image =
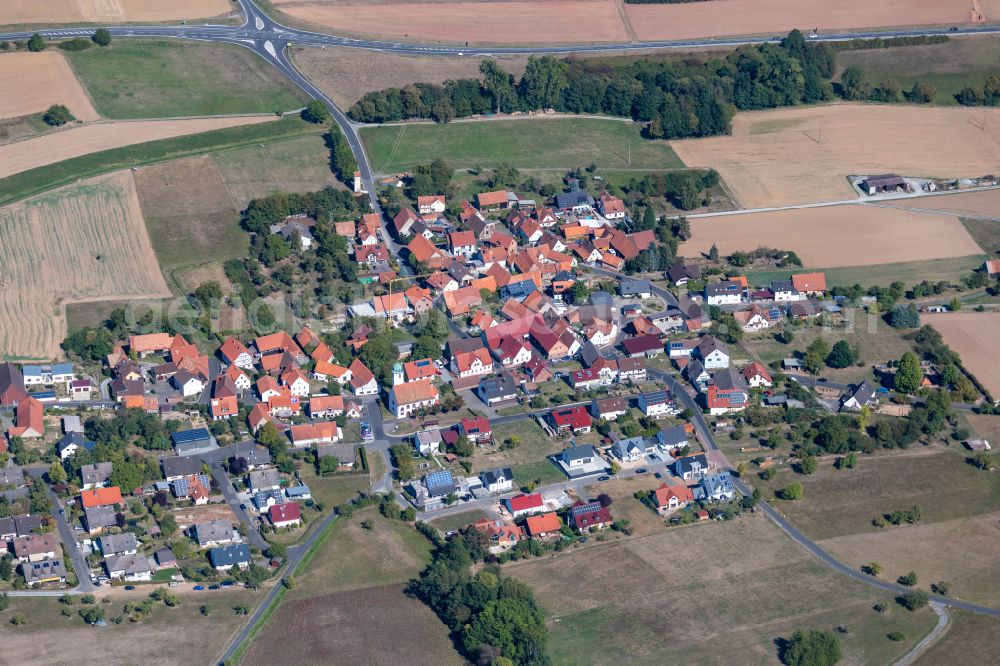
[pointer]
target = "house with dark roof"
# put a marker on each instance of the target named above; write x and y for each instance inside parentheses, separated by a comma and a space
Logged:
(692, 467)
(680, 274)
(585, 517)
(864, 394)
(726, 392)
(716, 488)
(195, 441)
(648, 345)
(574, 201)
(494, 390)
(635, 289)
(498, 480)
(658, 404)
(440, 483)
(177, 467)
(130, 567)
(225, 558)
(96, 475)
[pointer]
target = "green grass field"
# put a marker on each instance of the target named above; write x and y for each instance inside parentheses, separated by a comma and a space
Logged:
(528, 459)
(949, 67)
(909, 273)
(537, 143)
(722, 592)
(161, 79)
(985, 232)
(42, 179)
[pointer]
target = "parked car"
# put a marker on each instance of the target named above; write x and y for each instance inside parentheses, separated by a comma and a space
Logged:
(641, 470)
(213, 587)
(199, 588)
(130, 587)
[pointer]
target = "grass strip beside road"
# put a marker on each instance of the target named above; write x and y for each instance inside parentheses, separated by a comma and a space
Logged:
(35, 181)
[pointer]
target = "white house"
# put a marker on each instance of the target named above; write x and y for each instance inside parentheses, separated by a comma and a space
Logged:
(498, 480)
(712, 353)
(471, 364)
(629, 450)
(784, 292)
(729, 292)
(658, 404)
(188, 384)
(296, 382)
(428, 442)
(131, 568)
(407, 399)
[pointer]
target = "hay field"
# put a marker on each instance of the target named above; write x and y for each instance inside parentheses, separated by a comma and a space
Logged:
(83, 140)
(83, 242)
(14, 12)
(748, 17)
(775, 158)
(722, 592)
(32, 82)
(974, 336)
(832, 236)
(520, 22)
(347, 74)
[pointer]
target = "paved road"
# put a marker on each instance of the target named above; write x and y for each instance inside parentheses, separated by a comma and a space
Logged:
(918, 650)
(80, 565)
(229, 492)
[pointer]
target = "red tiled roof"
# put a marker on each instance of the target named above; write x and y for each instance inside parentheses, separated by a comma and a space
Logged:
(101, 497)
(526, 502)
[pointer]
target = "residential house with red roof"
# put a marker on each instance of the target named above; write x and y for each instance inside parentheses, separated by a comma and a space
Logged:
(29, 421)
(285, 515)
(611, 207)
(477, 429)
(296, 381)
(643, 345)
(571, 418)
(223, 408)
(586, 517)
(362, 380)
(309, 434)
(407, 399)
(404, 220)
(462, 244)
(756, 375)
(101, 497)
(424, 252)
(472, 363)
(523, 505)
(461, 301)
(500, 535)
(235, 353)
(545, 526)
(434, 203)
(668, 499)
(497, 200)
(811, 284)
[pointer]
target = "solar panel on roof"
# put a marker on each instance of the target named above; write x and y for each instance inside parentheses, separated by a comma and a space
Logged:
(190, 435)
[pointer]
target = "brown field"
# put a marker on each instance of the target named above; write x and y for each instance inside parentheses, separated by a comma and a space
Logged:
(747, 17)
(984, 203)
(14, 12)
(722, 592)
(960, 551)
(82, 242)
(32, 82)
(531, 22)
(376, 625)
(774, 158)
(180, 635)
(58, 146)
(973, 335)
(607, 20)
(347, 74)
(831, 236)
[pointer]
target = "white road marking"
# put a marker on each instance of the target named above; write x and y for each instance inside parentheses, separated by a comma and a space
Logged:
(258, 22)
(269, 47)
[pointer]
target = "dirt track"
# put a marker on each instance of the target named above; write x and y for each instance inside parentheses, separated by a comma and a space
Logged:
(84, 242)
(832, 236)
(974, 336)
(32, 82)
(804, 155)
(13, 12)
(73, 142)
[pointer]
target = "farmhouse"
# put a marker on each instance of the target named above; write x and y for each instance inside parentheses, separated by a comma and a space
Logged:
(884, 183)
(643, 345)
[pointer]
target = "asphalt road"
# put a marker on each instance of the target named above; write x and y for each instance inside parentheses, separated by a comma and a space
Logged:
(80, 566)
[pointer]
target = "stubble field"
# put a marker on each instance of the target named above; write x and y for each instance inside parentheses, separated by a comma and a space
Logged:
(14, 12)
(804, 155)
(32, 82)
(609, 20)
(83, 242)
(832, 236)
(974, 336)
(76, 141)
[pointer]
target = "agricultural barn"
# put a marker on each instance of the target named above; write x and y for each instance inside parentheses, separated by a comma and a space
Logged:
(889, 182)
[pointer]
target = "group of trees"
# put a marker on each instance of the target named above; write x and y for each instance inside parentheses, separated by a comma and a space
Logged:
(683, 189)
(495, 619)
(342, 161)
(677, 98)
(854, 85)
(820, 353)
(101, 37)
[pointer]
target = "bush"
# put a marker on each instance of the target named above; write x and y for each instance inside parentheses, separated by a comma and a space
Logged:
(896, 636)
(315, 112)
(78, 44)
(909, 580)
(36, 43)
(813, 648)
(57, 115)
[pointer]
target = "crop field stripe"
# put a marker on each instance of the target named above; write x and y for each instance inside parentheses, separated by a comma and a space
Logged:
(35, 181)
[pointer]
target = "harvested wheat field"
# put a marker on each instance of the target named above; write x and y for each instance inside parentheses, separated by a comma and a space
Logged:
(347, 74)
(32, 82)
(533, 22)
(974, 336)
(804, 155)
(82, 242)
(58, 146)
(833, 236)
(984, 203)
(720, 18)
(14, 12)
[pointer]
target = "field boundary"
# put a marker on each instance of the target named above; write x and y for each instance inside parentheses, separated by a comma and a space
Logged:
(41, 179)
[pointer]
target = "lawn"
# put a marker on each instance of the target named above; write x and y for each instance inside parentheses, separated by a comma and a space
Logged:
(985, 232)
(336, 489)
(458, 520)
(535, 446)
(50, 638)
(352, 557)
(164, 575)
(909, 273)
(949, 67)
(155, 79)
(843, 502)
(537, 143)
(42, 179)
(722, 592)
(874, 341)
(298, 165)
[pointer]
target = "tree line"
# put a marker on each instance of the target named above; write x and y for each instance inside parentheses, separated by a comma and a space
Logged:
(688, 97)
